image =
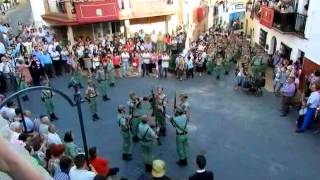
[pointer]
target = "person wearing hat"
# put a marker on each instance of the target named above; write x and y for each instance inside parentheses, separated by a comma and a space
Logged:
(146, 135)
(101, 77)
(135, 115)
(180, 123)
(47, 99)
(124, 125)
(159, 170)
(92, 94)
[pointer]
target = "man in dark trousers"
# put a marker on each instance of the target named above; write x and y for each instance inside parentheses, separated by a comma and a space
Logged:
(202, 174)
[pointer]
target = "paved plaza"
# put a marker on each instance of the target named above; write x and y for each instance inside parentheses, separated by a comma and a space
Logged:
(243, 136)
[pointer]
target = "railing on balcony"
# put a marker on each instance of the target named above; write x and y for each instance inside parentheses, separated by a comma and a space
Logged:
(300, 23)
(59, 6)
(289, 22)
(144, 8)
(285, 22)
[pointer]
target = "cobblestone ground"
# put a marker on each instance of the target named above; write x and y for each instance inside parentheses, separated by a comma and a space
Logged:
(243, 136)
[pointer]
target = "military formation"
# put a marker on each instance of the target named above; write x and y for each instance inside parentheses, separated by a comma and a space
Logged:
(144, 123)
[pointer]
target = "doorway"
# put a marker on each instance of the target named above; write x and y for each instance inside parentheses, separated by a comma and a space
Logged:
(273, 45)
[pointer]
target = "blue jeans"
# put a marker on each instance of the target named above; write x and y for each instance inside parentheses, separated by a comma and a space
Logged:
(308, 118)
(125, 67)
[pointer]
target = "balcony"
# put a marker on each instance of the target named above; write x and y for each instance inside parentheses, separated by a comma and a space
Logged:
(59, 12)
(289, 22)
(147, 8)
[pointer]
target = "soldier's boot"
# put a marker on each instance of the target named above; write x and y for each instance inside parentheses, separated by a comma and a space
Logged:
(95, 117)
(135, 139)
(148, 168)
(226, 73)
(80, 86)
(163, 131)
(127, 157)
(53, 116)
(25, 98)
(105, 98)
(112, 84)
(218, 77)
(182, 162)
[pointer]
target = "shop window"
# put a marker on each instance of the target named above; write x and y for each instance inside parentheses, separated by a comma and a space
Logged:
(263, 38)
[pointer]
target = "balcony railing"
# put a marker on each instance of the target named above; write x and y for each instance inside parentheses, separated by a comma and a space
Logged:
(285, 22)
(58, 7)
(301, 21)
(289, 22)
(145, 8)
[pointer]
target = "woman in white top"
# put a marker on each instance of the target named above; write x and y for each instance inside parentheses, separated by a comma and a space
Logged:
(164, 65)
(95, 61)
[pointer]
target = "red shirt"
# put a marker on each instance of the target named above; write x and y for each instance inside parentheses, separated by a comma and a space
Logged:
(100, 165)
(116, 60)
(135, 61)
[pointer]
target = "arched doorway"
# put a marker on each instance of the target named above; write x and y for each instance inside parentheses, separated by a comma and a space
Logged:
(273, 45)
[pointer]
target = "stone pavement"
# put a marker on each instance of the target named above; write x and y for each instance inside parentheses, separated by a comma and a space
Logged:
(243, 136)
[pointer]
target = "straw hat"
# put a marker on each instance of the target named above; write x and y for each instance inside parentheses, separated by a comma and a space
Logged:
(158, 168)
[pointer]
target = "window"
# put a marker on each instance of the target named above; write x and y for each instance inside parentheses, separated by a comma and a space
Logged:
(263, 38)
(286, 50)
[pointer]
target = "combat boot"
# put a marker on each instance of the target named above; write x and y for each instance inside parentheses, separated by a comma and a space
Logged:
(135, 139)
(105, 98)
(53, 116)
(182, 162)
(148, 168)
(95, 117)
(163, 131)
(126, 157)
(25, 98)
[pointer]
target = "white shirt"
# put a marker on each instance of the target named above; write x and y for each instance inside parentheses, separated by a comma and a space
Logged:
(8, 113)
(55, 55)
(125, 57)
(154, 38)
(146, 58)
(165, 61)
(53, 138)
(2, 48)
(314, 99)
(80, 174)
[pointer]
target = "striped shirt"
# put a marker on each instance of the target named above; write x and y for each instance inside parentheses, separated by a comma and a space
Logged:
(61, 176)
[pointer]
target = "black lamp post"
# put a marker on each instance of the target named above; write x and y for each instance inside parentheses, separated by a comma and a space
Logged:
(76, 103)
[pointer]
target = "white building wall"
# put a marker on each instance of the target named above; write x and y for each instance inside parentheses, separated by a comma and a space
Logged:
(38, 9)
(310, 45)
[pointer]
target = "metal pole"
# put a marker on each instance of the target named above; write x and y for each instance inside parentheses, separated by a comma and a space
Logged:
(22, 115)
(78, 101)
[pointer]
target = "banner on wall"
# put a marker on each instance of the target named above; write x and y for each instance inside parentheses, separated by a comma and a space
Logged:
(97, 11)
(267, 15)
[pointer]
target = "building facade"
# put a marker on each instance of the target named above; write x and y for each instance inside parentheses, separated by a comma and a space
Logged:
(294, 33)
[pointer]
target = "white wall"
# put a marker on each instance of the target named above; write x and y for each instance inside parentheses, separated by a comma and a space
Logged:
(310, 45)
(38, 9)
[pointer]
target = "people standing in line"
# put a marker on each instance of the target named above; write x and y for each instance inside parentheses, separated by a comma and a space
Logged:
(288, 91)
(202, 173)
(123, 122)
